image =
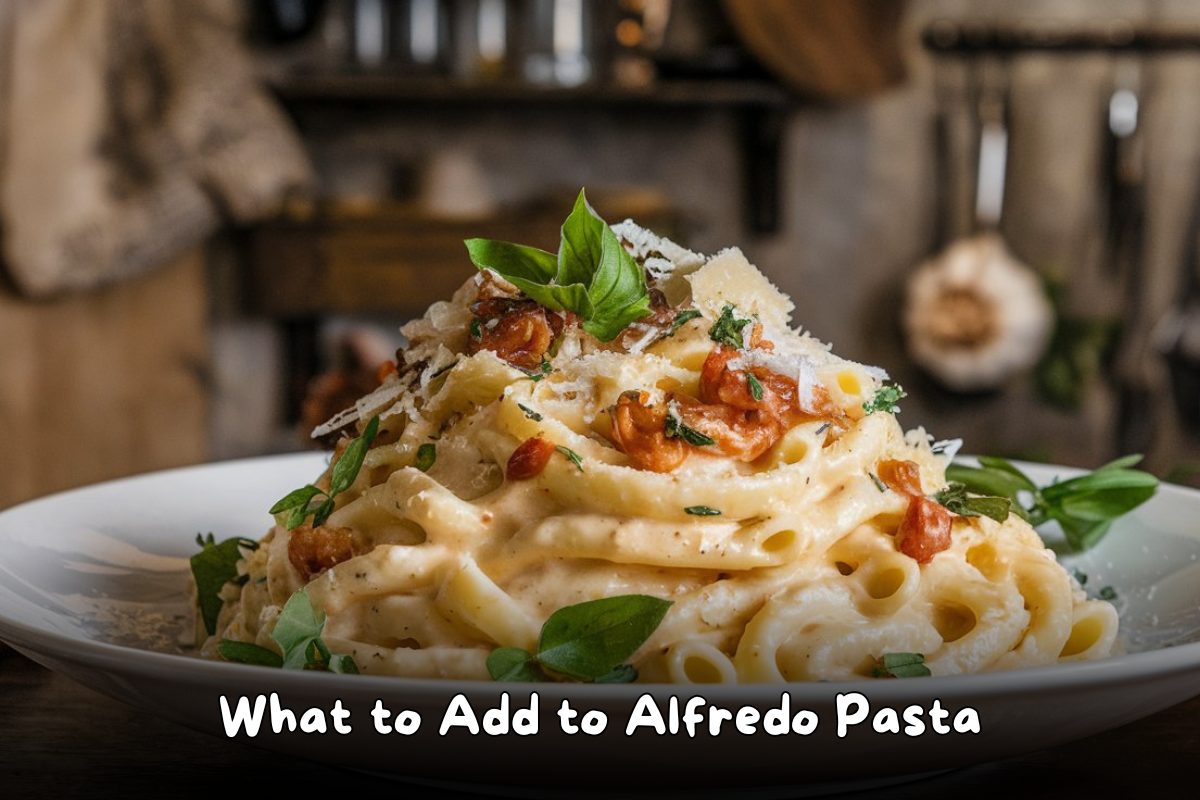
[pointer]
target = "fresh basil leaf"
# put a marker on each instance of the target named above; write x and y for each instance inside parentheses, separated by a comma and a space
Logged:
(296, 628)
(1105, 504)
(513, 664)
(1108, 593)
(426, 456)
(213, 567)
(343, 665)
(570, 455)
(987, 481)
(622, 673)
(581, 246)
(1122, 489)
(590, 639)
(617, 291)
(347, 467)
(530, 413)
(1124, 462)
(1080, 534)
(1003, 465)
(514, 262)
(592, 275)
(727, 329)
(248, 653)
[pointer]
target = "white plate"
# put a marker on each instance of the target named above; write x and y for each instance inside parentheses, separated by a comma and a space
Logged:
(93, 584)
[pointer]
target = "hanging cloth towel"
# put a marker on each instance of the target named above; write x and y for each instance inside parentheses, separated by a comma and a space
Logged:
(130, 130)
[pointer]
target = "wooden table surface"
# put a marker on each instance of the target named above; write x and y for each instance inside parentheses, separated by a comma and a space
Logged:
(60, 740)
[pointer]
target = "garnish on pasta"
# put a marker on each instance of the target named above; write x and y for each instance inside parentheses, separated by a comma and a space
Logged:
(628, 419)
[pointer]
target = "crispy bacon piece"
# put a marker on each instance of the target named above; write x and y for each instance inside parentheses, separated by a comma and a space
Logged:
(519, 331)
(925, 530)
(903, 477)
(529, 459)
(314, 550)
(639, 430)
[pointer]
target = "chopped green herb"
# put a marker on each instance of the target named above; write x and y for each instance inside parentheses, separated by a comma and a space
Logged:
(530, 413)
(902, 665)
(588, 641)
(673, 428)
(571, 455)
(213, 567)
(1084, 507)
(886, 399)
(1108, 593)
(681, 319)
(1079, 576)
(728, 329)
(702, 511)
(955, 498)
(476, 329)
(880, 485)
(298, 634)
(426, 456)
(756, 390)
(539, 373)
(592, 275)
(304, 501)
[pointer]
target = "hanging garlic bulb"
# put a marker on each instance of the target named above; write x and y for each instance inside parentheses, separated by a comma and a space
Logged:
(975, 316)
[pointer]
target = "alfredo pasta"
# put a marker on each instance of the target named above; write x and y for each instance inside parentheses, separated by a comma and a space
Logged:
(706, 453)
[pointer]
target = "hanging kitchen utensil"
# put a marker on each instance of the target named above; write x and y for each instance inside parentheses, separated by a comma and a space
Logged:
(975, 315)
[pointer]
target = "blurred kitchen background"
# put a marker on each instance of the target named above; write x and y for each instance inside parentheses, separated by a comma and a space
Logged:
(215, 215)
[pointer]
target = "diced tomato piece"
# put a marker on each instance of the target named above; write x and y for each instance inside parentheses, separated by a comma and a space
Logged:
(925, 530)
(903, 477)
(529, 459)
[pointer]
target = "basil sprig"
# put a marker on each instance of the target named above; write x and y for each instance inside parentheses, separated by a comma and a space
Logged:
(213, 567)
(587, 642)
(1084, 507)
(592, 275)
(298, 634)
(307, 499)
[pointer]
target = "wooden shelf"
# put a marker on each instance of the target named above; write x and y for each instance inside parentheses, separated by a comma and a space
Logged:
(377, 86)
(760, 106)
(392, 258)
